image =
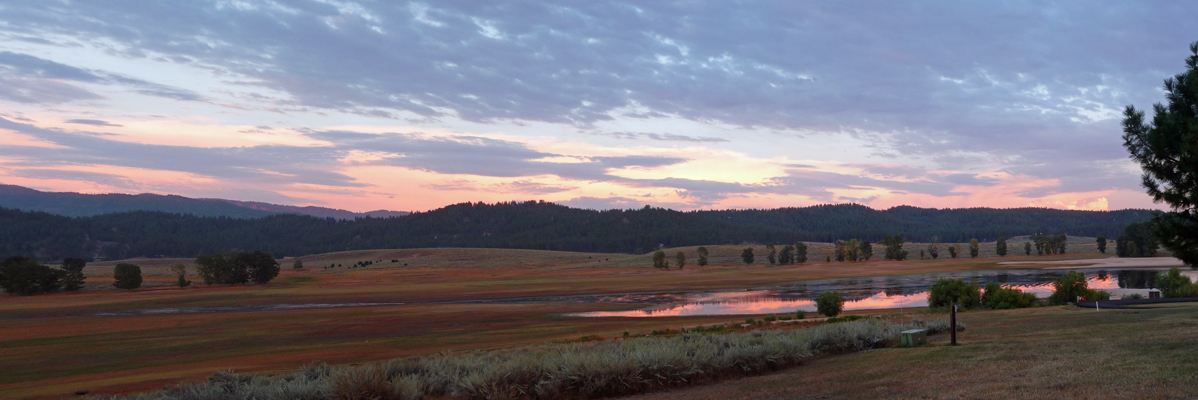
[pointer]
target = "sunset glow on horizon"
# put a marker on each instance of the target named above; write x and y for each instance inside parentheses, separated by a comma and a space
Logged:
(414, 106)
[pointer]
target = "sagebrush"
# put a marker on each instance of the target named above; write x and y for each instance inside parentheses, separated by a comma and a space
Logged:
(571, 370)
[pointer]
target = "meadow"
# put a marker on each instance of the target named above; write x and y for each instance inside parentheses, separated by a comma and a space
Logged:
(54, 345)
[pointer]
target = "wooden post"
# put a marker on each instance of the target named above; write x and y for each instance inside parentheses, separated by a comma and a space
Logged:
(952, 322)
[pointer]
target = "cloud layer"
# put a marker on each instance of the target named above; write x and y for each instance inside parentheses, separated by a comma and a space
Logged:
(884, 103)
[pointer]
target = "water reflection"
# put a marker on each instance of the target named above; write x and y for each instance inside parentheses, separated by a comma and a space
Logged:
(861, 293)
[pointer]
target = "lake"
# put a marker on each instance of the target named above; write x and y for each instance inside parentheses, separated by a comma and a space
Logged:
(891, 292)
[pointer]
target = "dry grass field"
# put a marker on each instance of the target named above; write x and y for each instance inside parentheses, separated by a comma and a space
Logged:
(52, 345)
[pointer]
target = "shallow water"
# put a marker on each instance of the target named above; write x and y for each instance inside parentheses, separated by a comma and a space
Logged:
(893, 292)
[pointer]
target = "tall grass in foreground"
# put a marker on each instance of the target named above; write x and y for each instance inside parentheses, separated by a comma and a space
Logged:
(574, 370)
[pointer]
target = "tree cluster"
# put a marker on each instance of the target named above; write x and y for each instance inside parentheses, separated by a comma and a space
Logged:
(1050, 244)
(235, 267)
(1138, 240)
(894, 247)
(24, 276)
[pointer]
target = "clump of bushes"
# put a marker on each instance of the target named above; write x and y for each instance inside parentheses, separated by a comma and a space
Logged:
(1174, 284)
(999, 298)
(946, 292)
(569, 370)
(1072, 285)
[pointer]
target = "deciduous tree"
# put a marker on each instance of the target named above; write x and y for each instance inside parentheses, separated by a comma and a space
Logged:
(829, 303)
(659, 259)
(702, 256)
(1001, 247)
(747, 255)
(126, 276)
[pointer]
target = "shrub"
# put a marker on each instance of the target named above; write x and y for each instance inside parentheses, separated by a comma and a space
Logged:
(127, 276)
(800, 315)
(1068, 288)
(770, 318)
(24, 276)
(829, 303)
(1096, 295)
(946, 292)
(747, 255)
(181, 271)
(702, 255)
(300, 264)
(846, 318)
(999, 298)
(1133, 296)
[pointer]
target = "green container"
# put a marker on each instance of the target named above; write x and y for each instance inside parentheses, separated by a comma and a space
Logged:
(914, 337)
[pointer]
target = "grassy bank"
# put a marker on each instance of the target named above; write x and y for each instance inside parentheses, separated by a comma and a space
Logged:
(1054, 352)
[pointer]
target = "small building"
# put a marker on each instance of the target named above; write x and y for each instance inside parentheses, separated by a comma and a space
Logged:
(1154, 293)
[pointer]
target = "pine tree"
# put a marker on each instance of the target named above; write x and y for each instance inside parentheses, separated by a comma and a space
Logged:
(800, 252)
(1001, 247)
(1167, 150)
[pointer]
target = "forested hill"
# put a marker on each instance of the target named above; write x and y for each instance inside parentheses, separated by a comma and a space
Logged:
(86, 205)
(528, 225)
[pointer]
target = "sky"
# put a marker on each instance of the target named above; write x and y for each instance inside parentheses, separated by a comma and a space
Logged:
(596, 104)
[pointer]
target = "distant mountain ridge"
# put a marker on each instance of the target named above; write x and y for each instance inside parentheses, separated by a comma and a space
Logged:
(314, 211)
(71, 204)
